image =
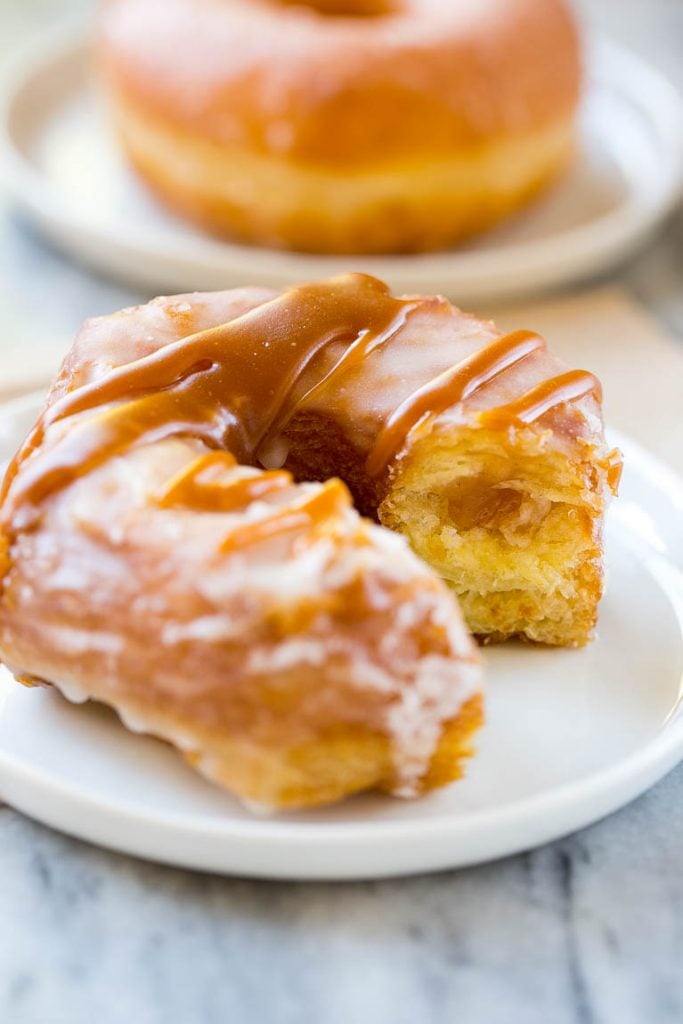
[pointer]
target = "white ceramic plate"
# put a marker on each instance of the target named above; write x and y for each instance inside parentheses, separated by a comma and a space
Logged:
(65, 170)
(570, 736)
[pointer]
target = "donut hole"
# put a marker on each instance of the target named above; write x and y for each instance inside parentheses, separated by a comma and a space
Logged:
(319, 449)
(349, 8)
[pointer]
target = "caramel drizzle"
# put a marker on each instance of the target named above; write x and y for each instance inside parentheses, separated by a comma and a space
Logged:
(210, 484)
(453, 386)
(231, 386)
(566, 387)
(236, 385)
(313, 510)
(31, 682)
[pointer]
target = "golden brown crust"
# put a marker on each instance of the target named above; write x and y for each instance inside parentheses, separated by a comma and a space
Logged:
(340, 763)
(219, 107)
(414, 206)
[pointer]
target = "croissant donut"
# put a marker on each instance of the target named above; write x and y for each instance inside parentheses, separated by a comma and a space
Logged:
(159, 557)
(343, 126)
(292, 651)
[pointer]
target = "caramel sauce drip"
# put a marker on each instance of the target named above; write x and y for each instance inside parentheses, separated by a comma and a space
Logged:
(314, 510)
(31, 682)
(566, 387)
(4, 555)
(237, 385)
(449, 388)
(210, 484)
(349, 8)
(232, 386)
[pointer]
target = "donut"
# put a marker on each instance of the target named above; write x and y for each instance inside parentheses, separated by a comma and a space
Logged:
(178, 539)
(343, 126)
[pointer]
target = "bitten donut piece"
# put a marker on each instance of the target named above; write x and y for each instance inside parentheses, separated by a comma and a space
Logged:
(176, 541)
(483, 448)
(347, 126)
(292, 651)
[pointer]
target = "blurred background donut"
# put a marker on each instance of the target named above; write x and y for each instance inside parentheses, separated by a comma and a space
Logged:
(342, 126)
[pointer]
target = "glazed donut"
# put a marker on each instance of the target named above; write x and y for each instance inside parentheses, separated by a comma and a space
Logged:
(343, 126)
(159, 556)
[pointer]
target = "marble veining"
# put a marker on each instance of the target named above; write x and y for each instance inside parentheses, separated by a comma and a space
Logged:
(588, 930)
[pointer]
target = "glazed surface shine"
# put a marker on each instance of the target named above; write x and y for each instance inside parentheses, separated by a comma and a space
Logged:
(231, 386)
(450, 388)
(236, 386)
(320, 347)
(428, 76)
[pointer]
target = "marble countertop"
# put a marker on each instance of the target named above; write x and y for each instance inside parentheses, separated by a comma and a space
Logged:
(588, 930)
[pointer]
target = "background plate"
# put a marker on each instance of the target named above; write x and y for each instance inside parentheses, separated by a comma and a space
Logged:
(65, 170)
(570, 736)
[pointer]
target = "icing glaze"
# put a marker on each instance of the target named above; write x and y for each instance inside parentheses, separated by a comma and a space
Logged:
(237, 385)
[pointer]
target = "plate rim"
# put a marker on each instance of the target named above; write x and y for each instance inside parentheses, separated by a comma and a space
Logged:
(569, 255)
(234, 846)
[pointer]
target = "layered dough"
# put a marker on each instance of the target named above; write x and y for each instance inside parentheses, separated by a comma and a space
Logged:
(178, 542)
(347, 126)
